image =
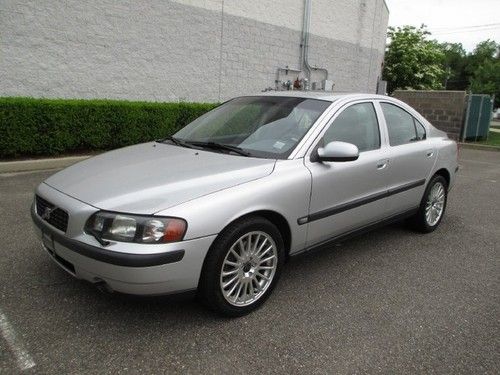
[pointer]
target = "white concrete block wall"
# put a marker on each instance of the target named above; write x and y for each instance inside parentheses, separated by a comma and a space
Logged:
(195, 50)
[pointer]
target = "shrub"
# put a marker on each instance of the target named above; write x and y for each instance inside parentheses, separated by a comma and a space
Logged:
(44, 127)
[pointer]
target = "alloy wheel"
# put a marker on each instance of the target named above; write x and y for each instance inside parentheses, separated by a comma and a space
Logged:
(434, 206)
(248, 268)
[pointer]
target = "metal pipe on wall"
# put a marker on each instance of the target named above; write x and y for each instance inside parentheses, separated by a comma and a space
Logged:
(303, 41)
(304, 46)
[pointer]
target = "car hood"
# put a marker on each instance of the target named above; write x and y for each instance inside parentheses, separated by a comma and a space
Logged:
(150, 177)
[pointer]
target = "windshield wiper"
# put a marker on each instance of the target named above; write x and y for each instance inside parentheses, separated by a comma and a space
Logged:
(175, 141)
(219, 146)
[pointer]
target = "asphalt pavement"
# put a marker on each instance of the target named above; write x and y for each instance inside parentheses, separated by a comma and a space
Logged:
(391, 301)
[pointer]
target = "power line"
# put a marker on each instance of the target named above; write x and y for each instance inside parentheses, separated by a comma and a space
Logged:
(467, 31)
(450, 28)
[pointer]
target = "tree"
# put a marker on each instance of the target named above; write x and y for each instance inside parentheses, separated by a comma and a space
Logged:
(487, 50)
(455, 62)
(412, 61)
(485, 68)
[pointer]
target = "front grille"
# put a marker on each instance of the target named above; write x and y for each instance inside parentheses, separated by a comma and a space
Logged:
(57, 218)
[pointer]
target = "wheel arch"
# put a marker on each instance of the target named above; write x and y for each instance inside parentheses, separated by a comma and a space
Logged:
(277, 219)
(443, 172)
(274, 217)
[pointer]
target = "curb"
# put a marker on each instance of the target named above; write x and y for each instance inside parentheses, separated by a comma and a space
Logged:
(39, 164)
(474, 146)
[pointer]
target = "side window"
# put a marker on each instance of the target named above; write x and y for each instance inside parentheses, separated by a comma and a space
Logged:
(357, 125)
(399, 124)
(420, 130)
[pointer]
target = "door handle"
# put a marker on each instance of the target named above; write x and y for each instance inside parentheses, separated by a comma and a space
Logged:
(430, 153)
(382, 164)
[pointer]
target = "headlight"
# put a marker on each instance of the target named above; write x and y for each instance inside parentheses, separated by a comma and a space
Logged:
(135, 228)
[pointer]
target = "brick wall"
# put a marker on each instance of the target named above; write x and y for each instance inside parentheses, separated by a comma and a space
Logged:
(193, 50)
(444, 109)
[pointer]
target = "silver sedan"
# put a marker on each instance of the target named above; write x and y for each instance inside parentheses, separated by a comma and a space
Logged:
(219, 206)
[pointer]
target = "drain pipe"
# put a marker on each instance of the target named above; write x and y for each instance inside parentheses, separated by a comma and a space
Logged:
(303, 42)
(304, 46)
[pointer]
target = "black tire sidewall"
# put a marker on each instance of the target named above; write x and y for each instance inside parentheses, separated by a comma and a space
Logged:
(209, 287)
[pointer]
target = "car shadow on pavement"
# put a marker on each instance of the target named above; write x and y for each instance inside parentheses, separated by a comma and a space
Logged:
(306, 279)
(319, 263)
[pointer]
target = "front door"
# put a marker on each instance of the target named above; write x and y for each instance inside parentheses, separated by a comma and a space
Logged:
(348, 195)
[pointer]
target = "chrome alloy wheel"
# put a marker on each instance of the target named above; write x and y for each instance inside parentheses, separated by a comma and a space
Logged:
(434, 206)
(248, 268)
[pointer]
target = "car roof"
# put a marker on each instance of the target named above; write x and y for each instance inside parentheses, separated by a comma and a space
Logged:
(322, 95)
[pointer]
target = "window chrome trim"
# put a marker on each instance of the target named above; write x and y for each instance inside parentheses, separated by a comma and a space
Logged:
(412, 112)
(336, 112)
(387, 127)
(331, 124)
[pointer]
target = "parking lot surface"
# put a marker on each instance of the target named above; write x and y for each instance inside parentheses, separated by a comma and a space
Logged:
(391, 301)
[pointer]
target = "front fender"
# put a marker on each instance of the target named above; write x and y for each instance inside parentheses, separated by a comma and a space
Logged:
(286, 191)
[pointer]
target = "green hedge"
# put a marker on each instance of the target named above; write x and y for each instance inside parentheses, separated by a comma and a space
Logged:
(43, 127)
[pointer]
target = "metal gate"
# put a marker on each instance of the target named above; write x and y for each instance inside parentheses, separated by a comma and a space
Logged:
(477, 117)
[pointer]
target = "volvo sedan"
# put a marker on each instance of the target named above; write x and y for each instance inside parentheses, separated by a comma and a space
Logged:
(220, 205)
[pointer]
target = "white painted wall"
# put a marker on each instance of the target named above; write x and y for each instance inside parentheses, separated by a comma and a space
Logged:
(181, 50)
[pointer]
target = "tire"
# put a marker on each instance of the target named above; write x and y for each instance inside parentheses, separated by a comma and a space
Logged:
(423, 221)
(243, 270)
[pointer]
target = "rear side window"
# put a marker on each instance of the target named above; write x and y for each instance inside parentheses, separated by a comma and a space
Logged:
(357, 125)
(400, 125)
(420, 130)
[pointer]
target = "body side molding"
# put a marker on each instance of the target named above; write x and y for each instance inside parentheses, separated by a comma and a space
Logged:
(358, 231)
(358, 202)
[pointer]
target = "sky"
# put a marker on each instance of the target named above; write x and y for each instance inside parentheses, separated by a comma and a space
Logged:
(459, 21)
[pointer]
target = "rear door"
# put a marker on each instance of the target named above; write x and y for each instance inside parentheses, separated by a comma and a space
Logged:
(411, 155)
(348, 195)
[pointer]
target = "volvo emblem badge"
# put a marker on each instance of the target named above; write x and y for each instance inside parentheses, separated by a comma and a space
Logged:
(46, 213)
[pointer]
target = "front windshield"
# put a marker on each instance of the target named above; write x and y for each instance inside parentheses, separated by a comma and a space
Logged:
(263, 126)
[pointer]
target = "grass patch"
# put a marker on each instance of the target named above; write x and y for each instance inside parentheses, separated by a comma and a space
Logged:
(493, 139)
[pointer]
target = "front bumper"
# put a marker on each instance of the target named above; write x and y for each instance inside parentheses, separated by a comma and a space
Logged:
(148, 270)
(103, 255)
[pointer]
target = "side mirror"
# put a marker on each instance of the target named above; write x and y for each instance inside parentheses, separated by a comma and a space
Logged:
(337, 151)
